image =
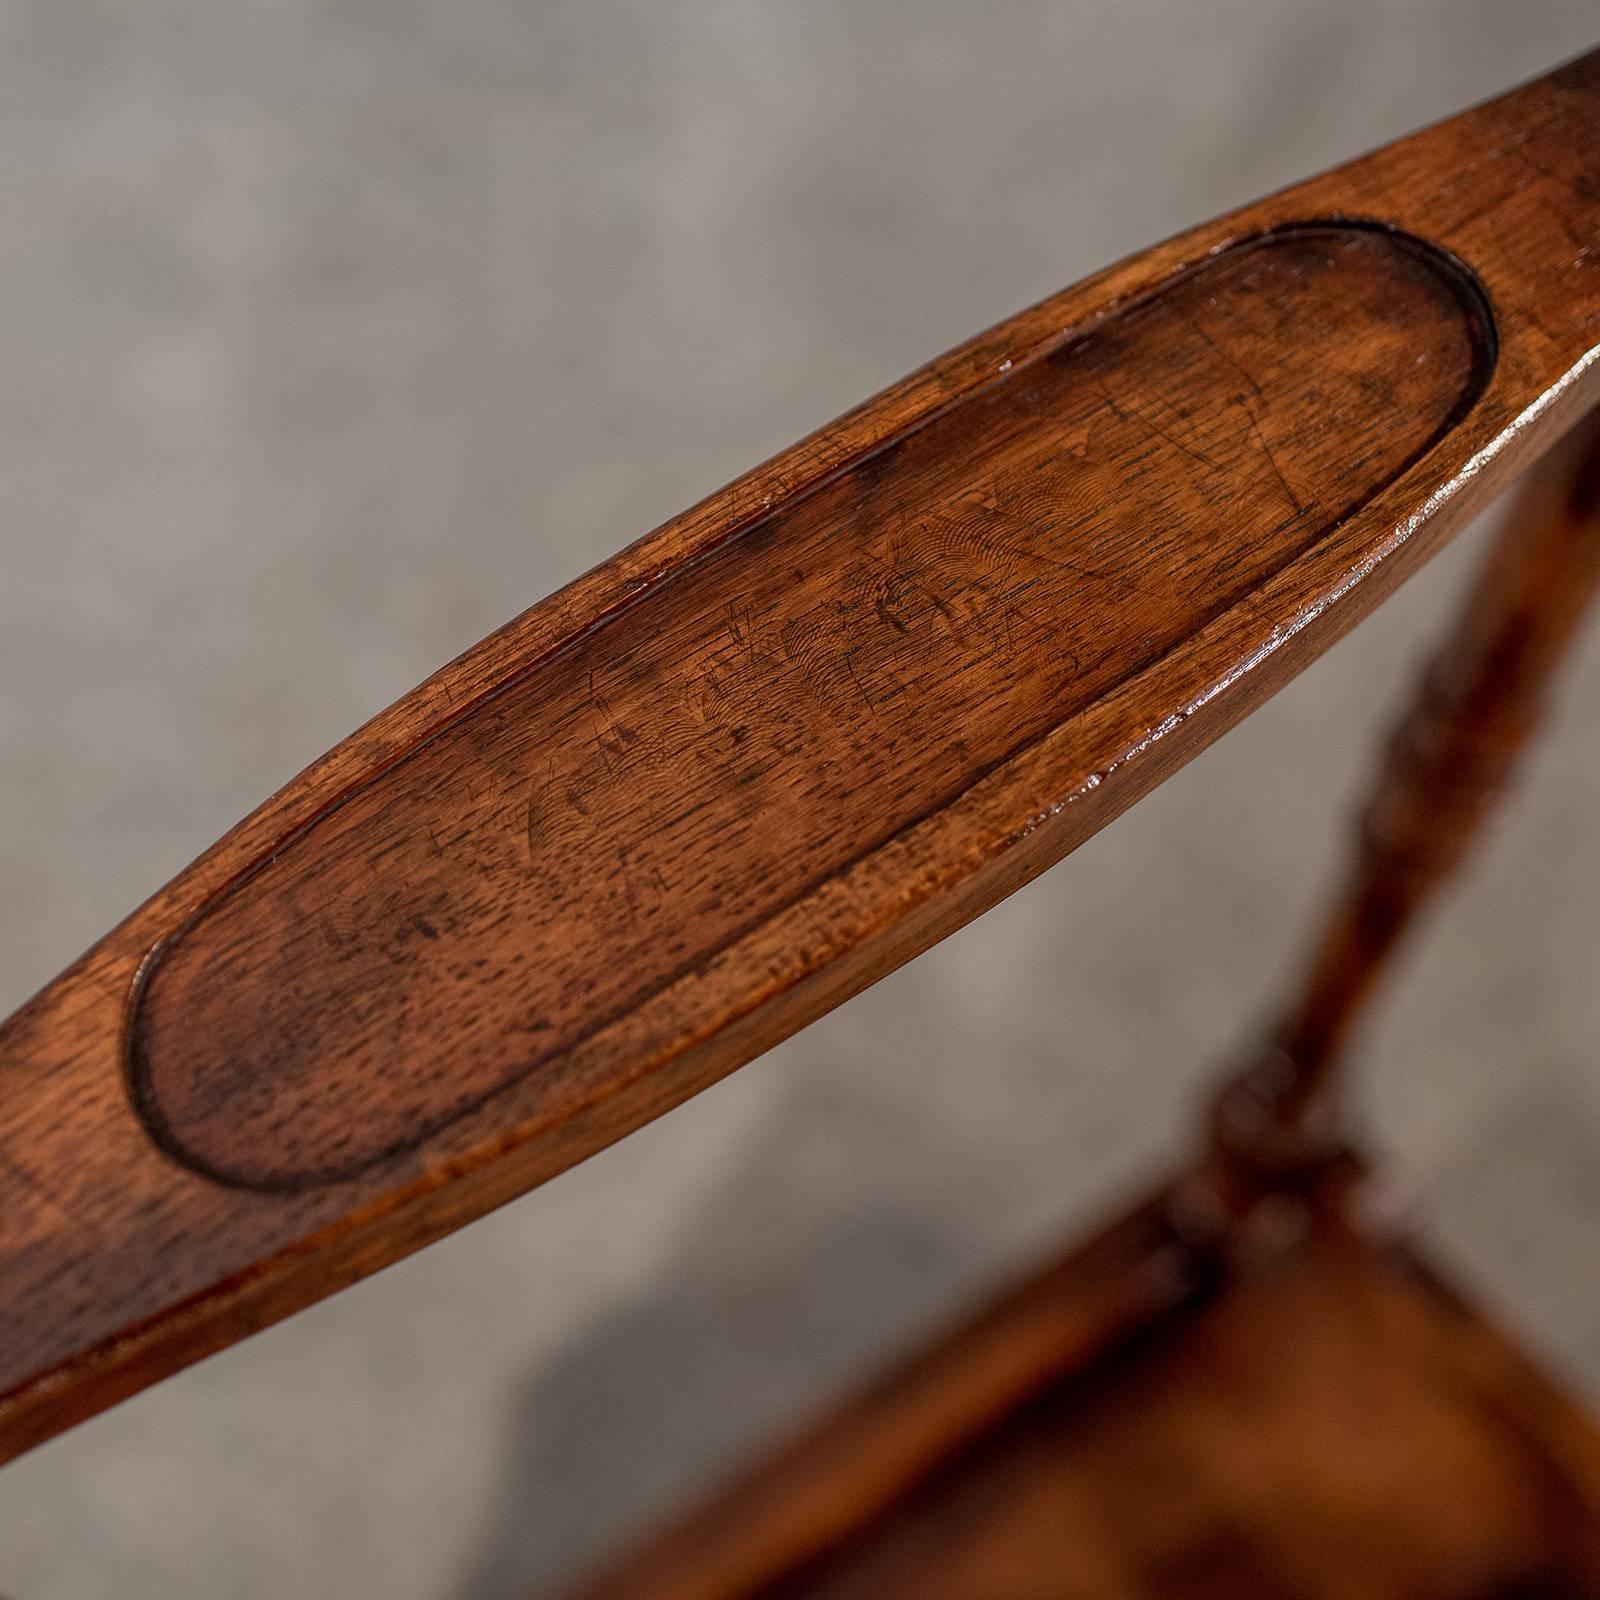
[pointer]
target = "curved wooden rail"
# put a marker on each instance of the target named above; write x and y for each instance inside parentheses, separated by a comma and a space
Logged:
(775, 749)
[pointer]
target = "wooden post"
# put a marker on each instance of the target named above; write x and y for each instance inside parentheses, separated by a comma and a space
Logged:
(1278, 1123)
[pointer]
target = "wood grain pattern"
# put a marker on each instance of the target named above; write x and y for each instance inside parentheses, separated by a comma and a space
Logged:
(420, 979)
(1335, 1425)
(756, 722)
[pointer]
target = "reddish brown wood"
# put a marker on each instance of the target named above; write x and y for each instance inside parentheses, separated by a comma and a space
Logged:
(751, 764)
(1449, 763)
(1334, 1425)
(619, 814)
(1257, 1419)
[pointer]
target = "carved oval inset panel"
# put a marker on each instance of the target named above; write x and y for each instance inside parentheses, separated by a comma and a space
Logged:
(614, 816)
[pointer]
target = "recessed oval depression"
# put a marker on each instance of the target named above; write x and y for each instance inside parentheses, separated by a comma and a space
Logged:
(615, 815)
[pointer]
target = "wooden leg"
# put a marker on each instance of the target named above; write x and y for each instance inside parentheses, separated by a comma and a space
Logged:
(1279, 1121)
(1146, 1419)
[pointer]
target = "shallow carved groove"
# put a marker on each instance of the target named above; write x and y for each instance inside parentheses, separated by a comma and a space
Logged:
(773, 750)
(831, 675)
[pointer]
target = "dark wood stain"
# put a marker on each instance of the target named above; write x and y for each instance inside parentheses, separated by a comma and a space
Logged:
(831, 675)
(778, 747)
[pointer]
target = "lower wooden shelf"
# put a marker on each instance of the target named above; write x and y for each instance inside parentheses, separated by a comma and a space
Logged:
(1331, 1421)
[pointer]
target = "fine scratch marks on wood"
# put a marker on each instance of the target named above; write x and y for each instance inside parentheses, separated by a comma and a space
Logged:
(752, 725)
(1272, 462)
(36, 1186)
(1134, 414)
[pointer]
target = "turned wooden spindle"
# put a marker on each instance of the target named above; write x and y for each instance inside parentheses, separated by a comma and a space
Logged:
(1449, 762)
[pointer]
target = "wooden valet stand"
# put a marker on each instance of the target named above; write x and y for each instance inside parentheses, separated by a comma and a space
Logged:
(778, 747)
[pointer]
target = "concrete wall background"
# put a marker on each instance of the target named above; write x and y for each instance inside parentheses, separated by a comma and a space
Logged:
(333, 334)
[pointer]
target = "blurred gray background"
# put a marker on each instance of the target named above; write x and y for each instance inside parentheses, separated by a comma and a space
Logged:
(335, 333)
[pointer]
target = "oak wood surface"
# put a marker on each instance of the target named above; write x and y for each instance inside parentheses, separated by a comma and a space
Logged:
(745, 731)
(1332, 1423)
(772, 751)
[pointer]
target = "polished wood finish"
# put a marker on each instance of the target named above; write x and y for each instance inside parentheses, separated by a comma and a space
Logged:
(780, 746)
(1330, 1424)
(760, 721)
(1454, 753)
(1244, 1388)
(1449, 763)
